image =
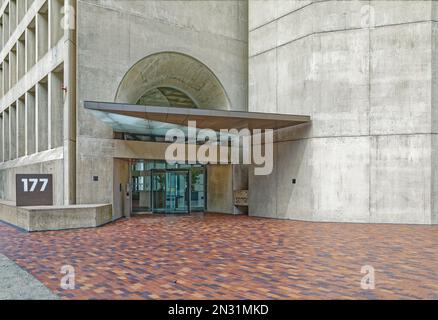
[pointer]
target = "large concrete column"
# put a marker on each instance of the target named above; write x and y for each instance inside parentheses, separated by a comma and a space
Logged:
(30, 123)
(12, 132)
(42, 115)
(21, 128)
(56, 107)
(70, 104)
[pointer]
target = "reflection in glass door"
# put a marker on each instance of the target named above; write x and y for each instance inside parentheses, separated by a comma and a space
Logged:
(197, 187)
(170, 191)
(141, 189)
(162, 188)
(158, 191)
(177, 187)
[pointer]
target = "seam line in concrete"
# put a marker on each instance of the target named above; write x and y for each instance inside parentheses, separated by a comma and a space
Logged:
(357, 136)
(336, 30)
(285, 15)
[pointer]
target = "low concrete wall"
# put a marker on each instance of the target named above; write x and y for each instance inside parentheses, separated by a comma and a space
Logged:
(55, 217)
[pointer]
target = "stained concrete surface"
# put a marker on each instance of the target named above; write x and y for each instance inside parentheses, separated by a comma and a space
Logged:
(17, 284)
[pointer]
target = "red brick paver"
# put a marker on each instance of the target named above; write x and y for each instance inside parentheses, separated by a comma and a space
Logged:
(231, 257)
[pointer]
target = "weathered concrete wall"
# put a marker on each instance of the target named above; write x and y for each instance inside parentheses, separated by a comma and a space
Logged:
(220, 189)
(55, 217)
(434, 179)
(434, 112)
(364, 74)
(240, 182)
(114, 35)
(32, 94)
(121, 178)
(47, 162)
(70, 217)
(18, 284)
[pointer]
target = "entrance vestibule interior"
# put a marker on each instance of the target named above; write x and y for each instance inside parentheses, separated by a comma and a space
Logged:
(159, 187)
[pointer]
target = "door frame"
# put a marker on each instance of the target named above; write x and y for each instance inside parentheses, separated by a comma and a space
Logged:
(164, 170)
(188, 192)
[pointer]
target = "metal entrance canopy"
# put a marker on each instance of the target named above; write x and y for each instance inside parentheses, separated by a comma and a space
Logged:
(156, 120)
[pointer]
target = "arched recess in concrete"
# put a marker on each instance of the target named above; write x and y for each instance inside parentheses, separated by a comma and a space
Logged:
(163, 77)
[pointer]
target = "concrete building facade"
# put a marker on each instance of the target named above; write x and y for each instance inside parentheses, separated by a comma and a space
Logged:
(364, 71)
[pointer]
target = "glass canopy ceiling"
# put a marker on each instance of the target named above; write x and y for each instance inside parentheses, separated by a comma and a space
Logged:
(156, 121)
(134, 125)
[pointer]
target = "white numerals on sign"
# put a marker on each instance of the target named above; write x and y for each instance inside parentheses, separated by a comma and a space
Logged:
(44, 186)
(33, 184)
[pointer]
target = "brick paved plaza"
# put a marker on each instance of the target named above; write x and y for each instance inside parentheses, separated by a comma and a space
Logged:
(230, 257)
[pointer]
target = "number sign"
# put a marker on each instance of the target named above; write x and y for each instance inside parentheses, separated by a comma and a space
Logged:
(34, 190)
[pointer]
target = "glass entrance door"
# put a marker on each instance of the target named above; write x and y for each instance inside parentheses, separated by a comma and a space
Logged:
(159, 187)
(158, 191)
(177, 191)
(170, 191)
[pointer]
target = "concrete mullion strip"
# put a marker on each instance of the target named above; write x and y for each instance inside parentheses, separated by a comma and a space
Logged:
(42, 32)
(31, 133)
(1, 81)
(56, 107)
(26, 125)
(21, 57)
(21, 10)
(30, 48)
(55, 30)
(2, 146)
(17, 130)
(12, 132)
(1, 137)
(10, 72)
(43, 124)
(21, 128)
(5, 29)
(37, 127)
(5, 76)
(12, 16)
(9, 134)
(69, 118)
(13, 67)
(1, 33)
(6, 135)
(49, 110)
